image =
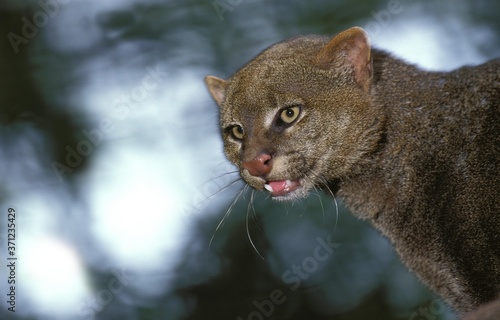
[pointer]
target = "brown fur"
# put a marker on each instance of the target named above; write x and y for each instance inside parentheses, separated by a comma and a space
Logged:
(416, 153)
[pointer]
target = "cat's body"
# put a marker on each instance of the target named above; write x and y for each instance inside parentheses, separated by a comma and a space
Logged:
(433, 187)
(416, 153)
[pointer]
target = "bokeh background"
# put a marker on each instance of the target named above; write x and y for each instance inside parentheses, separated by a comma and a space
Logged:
(125, 205)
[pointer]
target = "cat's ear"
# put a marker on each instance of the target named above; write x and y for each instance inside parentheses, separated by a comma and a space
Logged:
(351, 47)
(217, 88)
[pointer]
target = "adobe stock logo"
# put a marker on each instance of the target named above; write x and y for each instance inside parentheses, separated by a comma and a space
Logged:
(383, 17)
(96, 303)
(221, 6)
(48, 9)
(429, 312)
(293, 276)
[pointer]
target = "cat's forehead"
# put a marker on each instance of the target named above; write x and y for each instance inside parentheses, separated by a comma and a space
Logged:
(250, 100)
(257, 75)
(250, 92)
(263, 83)
(278, 77)
(249, 104)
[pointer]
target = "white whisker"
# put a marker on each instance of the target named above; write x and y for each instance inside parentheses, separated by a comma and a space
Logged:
(250, 204)
(228, 212)
(335, 202)
(230, 184)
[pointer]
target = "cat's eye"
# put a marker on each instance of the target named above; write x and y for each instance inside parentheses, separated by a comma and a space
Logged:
(237, 132)
(290, 114)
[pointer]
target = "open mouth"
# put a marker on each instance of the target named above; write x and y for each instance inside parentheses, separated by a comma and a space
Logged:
(279, 188)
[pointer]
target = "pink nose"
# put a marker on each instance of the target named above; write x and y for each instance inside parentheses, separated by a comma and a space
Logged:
(259, 166)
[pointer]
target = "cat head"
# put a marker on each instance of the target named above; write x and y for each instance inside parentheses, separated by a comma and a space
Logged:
(299, 115)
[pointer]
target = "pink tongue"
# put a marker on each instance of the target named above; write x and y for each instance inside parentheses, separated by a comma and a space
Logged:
(278, 186)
